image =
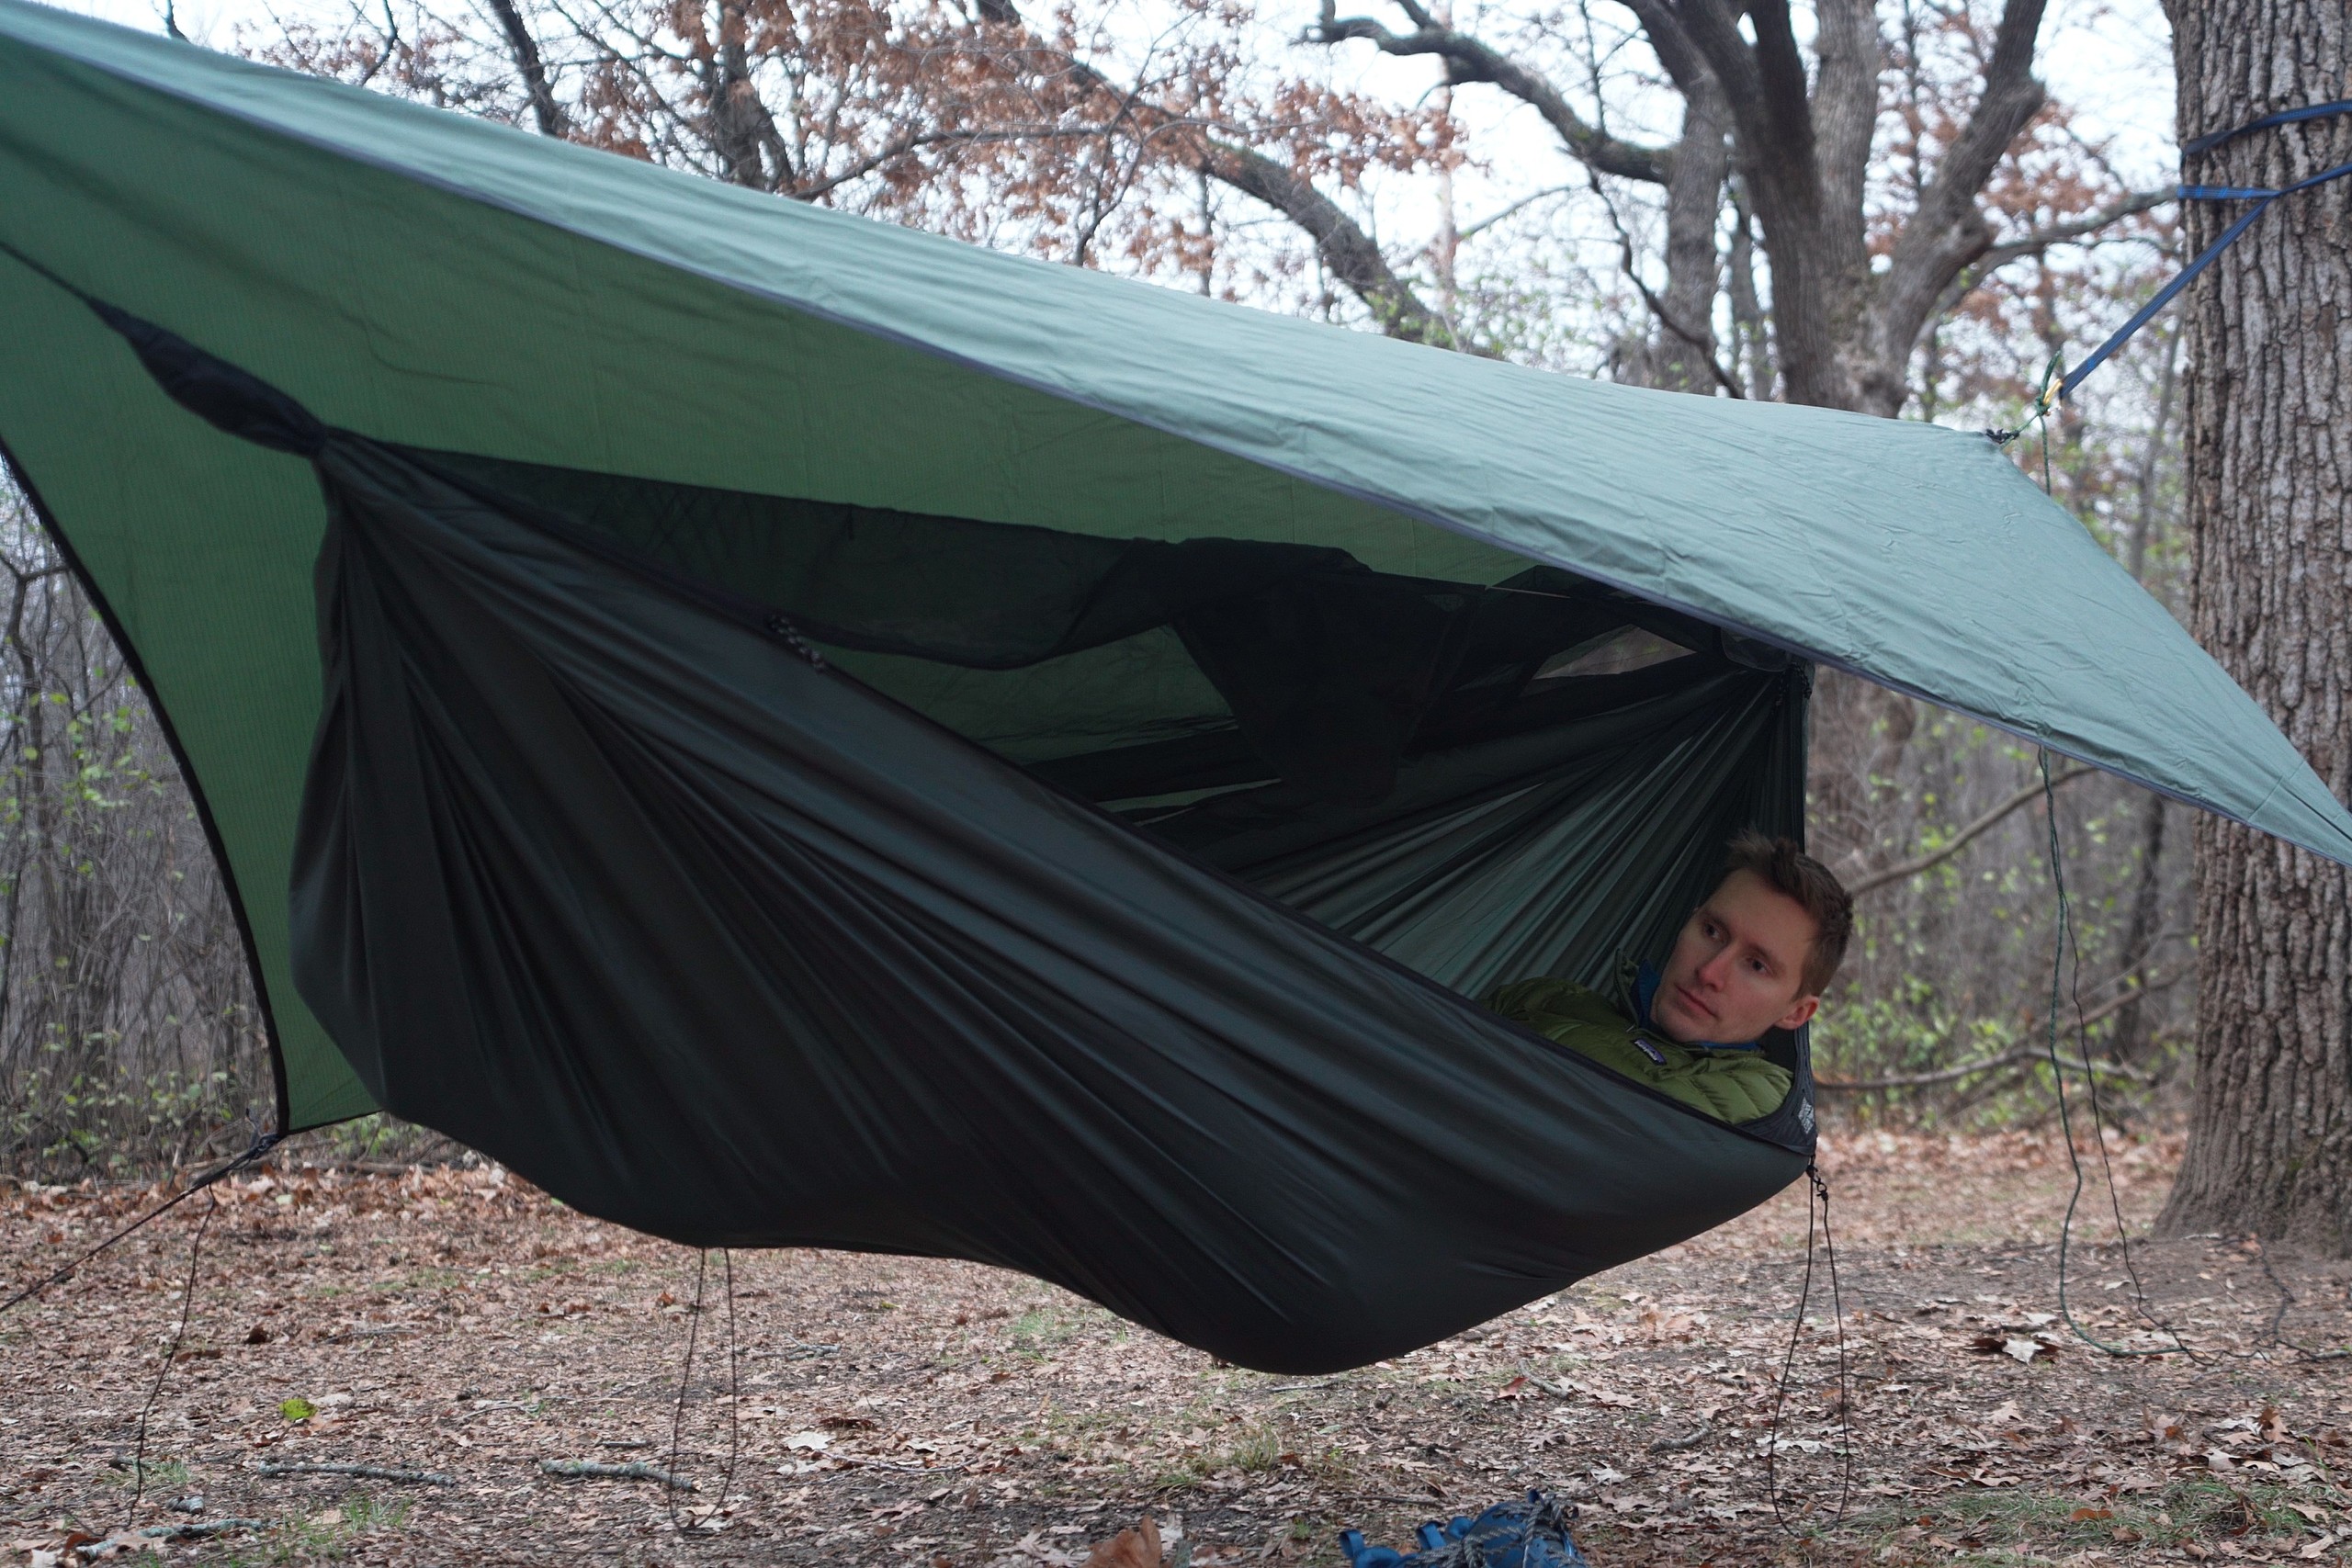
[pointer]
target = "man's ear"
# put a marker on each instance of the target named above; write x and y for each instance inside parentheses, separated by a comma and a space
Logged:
(1800, 1014)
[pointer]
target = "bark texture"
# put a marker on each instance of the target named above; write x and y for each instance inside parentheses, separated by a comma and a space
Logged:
(2270, 465)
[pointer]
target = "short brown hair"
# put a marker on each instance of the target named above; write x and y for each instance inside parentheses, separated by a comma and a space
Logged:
(1796, 874)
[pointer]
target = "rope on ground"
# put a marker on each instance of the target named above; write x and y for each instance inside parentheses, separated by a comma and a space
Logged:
(261, 1144)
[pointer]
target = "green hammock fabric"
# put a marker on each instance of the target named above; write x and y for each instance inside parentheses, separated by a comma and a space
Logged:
(605, 868)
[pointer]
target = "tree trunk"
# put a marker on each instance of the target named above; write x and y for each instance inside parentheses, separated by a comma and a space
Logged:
(2130, 1040)
(2270, 465)
(1677, 354)
(2131, 1032)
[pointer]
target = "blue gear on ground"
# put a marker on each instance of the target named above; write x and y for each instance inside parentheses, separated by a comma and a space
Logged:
(1529, 1534)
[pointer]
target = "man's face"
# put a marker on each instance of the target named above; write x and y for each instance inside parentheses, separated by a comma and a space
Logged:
(1738, 966)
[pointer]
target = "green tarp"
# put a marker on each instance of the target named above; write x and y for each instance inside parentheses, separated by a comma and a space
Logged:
(553, 326)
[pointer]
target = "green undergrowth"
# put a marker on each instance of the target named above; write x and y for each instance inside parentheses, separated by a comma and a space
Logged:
(327, 1536)
(2196, 1517)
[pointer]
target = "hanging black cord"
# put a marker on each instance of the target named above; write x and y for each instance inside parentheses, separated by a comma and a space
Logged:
(1845, 1379)
(2064, 946)
(2286, 1302)
(171, 1354)
(2069, 953)
(263, 1143)
(685, 1381)
(1818, 1194)
(734, 1383)
(2067, 957)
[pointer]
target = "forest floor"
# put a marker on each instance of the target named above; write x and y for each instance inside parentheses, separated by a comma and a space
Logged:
(947, 1416)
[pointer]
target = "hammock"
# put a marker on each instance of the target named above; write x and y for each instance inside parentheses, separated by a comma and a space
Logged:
(604, 868)
(788, 731)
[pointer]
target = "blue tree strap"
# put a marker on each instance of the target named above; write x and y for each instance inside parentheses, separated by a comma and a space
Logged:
(2260, 196)
(2284, 116)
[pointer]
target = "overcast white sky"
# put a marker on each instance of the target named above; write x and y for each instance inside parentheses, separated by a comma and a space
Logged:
(2110, 58)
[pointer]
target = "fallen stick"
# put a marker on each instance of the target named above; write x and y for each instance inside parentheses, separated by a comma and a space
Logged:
(894, 1464)
(198, 1529)
(138, 1539)
(597, 1470)
(364, 1471)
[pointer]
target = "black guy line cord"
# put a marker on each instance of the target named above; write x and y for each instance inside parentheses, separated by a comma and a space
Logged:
(171, 1354)
(2066, 964)
(263, 1143)
(2066, 946)
(686, 1381)
(1816, 1204)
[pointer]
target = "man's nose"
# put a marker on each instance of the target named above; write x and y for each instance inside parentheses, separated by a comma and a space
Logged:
(1715, 971)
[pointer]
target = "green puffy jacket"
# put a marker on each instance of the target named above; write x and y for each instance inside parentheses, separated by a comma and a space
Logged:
(1729, 1083)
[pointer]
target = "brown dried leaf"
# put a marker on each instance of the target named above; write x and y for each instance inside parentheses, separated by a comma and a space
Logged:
(1137, 1548)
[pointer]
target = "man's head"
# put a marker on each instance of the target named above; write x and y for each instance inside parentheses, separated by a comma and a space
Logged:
(1759, 952)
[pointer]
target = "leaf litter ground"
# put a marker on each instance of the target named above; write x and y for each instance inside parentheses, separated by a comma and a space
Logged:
(509, 1372)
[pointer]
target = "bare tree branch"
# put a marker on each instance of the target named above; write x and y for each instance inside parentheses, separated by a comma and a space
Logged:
(532, 68)
(2039, 240)
(1764, 86)
(1662, 30)
(1695, 206)
(1946, 232)
(1751, 337)
(1904, 870)
(742, 132)
(1782, 97)
(1351, 254)
(1844, 115)
(1468, 58)
(2018, 1057)
(1970, 278)
(1701, 344)
(1482, 225)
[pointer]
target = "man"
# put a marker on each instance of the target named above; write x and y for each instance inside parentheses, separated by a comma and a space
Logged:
(1755, 956)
